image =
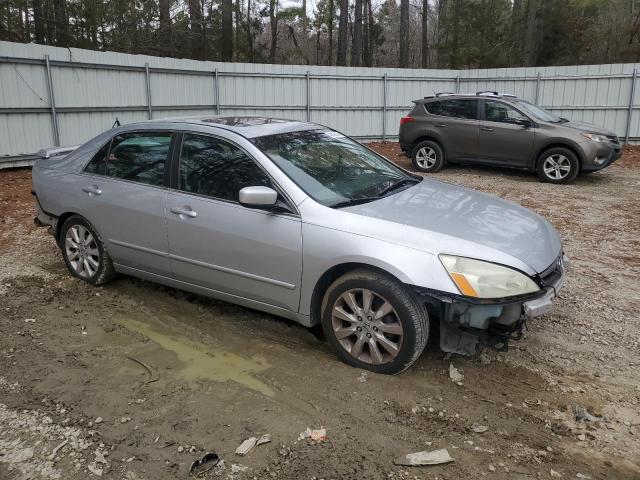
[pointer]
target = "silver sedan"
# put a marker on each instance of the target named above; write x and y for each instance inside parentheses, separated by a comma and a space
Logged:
(300, 221)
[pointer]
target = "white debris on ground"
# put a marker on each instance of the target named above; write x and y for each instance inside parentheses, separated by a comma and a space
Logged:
(31, 446)
(455, 375)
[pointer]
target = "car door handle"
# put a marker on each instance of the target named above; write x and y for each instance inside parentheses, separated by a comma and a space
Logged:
(486, 129)
(184, 211)
(92, 190)
(441, 125)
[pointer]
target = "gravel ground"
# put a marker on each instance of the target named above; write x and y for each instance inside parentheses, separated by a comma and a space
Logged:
(136, 381)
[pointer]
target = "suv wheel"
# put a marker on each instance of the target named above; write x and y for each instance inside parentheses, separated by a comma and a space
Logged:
(373, 322)
(558, 165)
(84, 252)
(427, 156)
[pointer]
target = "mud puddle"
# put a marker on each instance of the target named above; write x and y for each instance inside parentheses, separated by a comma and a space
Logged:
(200, 361)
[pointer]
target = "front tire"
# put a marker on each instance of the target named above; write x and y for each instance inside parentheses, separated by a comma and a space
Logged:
(427, 157)
(558, 165)
(373, 322)
(84, 251)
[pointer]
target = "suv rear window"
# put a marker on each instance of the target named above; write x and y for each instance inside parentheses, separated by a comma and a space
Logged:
(456, 108)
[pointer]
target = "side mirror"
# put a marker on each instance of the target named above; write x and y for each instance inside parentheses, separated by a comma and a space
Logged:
(524, 122)
(258, 197)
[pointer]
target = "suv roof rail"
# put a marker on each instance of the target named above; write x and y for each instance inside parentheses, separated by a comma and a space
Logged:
(441, 94)
(493, 93)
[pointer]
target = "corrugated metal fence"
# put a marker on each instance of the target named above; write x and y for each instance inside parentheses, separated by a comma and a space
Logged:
(52, 96)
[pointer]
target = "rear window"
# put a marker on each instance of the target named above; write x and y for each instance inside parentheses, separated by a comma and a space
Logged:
(456, 108)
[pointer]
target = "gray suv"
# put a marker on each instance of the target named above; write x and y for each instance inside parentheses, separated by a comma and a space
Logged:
(503, 130)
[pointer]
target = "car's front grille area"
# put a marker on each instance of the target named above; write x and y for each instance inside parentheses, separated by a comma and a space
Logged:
(553, 273)
(613, 138)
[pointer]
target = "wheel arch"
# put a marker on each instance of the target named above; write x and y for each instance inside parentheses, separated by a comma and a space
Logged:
(428, 137)
(329, 276)
(559, 144)
(61, 219)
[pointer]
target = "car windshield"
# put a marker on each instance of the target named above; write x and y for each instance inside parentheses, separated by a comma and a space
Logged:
(331, 168)
(538, 112)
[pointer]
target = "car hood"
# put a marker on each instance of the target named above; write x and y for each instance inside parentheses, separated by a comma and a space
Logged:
(476, 219)
(587, 127)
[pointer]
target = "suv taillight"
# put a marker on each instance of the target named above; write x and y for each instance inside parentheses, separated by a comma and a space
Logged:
(406, 119)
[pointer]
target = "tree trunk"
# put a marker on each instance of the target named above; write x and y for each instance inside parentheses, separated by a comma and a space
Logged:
(425, 35)
(50, 27)
(249, 34)
(273, 22)
(227, 30)
(238, 27)
(342, 33)
(38, 21)
(356, 46)
(515, 56)
(404, 33)
(531, 33)
(454, 61)
(305, 39)
(330, 28)
(195, 20)
(165, 26)
(366, 32)
(62, 23)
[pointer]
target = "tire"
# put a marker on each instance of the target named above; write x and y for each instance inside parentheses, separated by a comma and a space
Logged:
(405, 326)
(427, 157)
(566, 162)
(79, 239)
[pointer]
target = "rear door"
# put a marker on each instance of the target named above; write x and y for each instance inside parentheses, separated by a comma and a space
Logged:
(219, 244)
(125, 195)
(503, 138)
(455, 121)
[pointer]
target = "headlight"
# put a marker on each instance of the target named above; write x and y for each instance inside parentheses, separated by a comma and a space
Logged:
(476, 278)
(595, 137)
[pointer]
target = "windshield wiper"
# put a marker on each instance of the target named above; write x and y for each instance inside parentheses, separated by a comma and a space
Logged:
(353, 201)
(398, 184)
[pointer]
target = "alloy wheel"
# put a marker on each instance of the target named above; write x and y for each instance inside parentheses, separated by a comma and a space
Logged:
(82, 251)
(367, 326)
(556, 166)
(426, 157)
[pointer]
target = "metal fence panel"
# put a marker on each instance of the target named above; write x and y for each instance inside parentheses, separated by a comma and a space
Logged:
(51, 95)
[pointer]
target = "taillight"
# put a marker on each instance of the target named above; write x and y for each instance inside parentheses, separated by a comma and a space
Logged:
(406, 119)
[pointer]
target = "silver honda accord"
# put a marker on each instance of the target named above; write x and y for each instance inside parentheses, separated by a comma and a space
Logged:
(300, 221)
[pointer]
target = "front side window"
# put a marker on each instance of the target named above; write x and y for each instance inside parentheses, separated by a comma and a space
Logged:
(216, 168)
(331, 168)
(139, 157)
(501, 112)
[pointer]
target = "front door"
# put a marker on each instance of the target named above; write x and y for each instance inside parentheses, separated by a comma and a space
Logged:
(124, 187)
(503, 139)
(219, 244)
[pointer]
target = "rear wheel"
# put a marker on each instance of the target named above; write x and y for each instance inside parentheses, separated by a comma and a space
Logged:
(84, 252)
(373, 322)
(427, 156)
(558, 165)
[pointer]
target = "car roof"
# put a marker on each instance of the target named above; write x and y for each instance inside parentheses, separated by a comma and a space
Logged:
(247, 126)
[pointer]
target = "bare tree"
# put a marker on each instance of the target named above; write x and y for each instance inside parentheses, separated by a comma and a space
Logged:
(196, 25)
(227, 30)
(356, 45)
(165, 25)
(330, 28)
(38, 21)
(342, 33)
(531, 32)
(404, 33)
(424, 44)
(62, 23)
(273, 24)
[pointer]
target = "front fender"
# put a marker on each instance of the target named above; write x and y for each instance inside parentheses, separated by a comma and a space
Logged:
(326, 248)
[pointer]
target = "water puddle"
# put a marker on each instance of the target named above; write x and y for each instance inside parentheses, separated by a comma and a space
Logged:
(200, 361)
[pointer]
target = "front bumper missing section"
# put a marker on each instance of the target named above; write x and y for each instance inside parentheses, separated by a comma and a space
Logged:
(467, 323)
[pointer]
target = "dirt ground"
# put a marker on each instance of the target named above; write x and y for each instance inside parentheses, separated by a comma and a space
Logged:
(136, 381)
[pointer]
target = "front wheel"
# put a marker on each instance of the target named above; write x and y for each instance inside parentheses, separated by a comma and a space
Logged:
(558, 165)
(373, 322)
(84, 251)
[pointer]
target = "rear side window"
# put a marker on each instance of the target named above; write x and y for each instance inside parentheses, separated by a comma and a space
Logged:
(139, 157)
(456, 108)
(213, 167)
(98, 163)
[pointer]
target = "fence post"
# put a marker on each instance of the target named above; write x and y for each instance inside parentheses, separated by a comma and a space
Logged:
(308, 97)
(52, 103)
(148, 81)
(458, 84)
(631, 97)
(217, 91)
(538, 89)
(384, 107)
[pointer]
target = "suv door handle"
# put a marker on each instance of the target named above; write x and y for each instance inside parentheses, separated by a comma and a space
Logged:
(92, 190)
(486, 129)
(184, 211)
(441, 124)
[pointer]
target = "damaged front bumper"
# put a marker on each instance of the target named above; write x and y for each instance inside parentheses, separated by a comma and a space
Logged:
(467, 323)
